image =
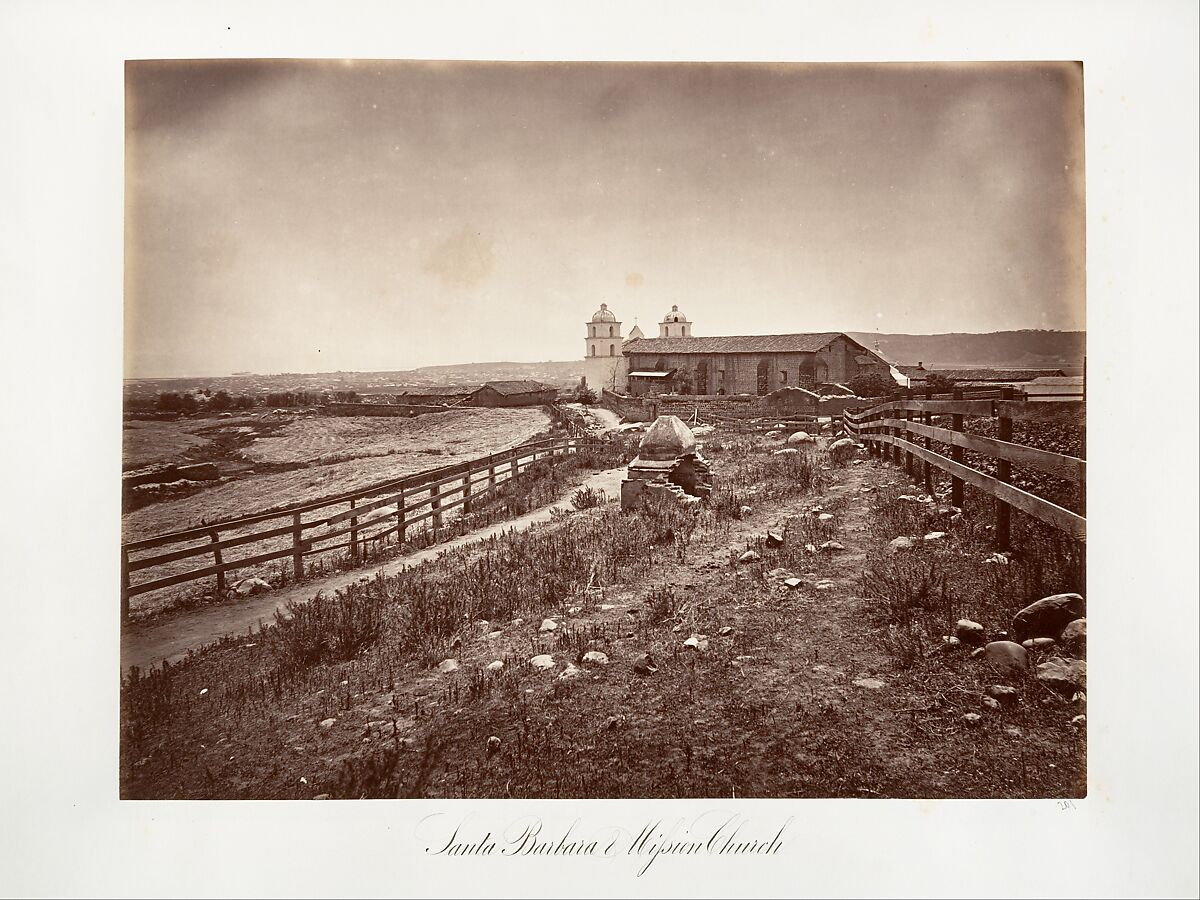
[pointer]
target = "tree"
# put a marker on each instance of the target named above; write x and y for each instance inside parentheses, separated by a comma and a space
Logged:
(872, 384)
(586, 396)
(220, 401)
(188, 403)
(940, 383)
(170, 402)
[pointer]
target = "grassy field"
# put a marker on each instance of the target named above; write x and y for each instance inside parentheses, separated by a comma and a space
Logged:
(837, 686)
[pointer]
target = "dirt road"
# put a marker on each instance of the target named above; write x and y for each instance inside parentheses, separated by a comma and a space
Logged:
(171, 637)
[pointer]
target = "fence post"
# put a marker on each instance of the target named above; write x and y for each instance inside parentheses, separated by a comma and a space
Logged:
(908, 414)
(1003, 473)
(353, 535)
(435, 503)
(956, 453)
(466, 492)
(927, 419)
(124, 584)
(297, 549)
(400, 529)
(491, 472)
(894, 431)
(214, 534)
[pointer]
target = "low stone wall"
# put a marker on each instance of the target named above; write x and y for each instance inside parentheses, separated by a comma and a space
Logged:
(405, 410)
(632, 409)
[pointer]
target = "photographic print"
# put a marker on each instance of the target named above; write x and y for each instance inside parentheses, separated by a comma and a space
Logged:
(603, 430)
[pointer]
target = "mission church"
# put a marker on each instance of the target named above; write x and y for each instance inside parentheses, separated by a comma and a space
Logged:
(678, 362)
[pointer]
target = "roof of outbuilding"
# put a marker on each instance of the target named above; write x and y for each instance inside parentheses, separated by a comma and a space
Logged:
(750, 343)
(995, 374)
(517, 387)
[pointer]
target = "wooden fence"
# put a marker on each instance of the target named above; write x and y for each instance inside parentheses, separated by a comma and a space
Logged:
(382, 509)
(906, 429)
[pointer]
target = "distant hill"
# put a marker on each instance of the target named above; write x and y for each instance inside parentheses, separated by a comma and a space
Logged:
(1011, 349)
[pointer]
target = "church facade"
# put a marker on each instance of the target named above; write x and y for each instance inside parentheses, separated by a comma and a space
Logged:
(678, 362)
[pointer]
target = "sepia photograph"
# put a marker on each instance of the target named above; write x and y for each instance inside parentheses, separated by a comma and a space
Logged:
(603, 430)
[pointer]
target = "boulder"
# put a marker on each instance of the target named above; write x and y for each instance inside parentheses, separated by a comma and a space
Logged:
(542, 661)
(1079, 721)
(1074, 637)
(595, 656)
(1041, 644)
(697, 642)
(726, 630)
(935, 536)
(871, 684)
(1003, 694)
(548, 625)
(644, 665)
(900, 544)
(969, 632)
(448, 665)
(1047, 617)
(1064, 676)
(495, 665)
(831, 547)
(571, 671)
(774, 539)
(749, 556)
(248, 586)
(990, 703)
(786, 451)
(1009, 658)
(974, 720)
(800, 437)
(493, 745)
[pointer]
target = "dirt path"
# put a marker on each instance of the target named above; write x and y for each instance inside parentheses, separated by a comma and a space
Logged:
(170, 638)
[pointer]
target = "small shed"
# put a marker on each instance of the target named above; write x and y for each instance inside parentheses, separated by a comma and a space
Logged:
(513, 393)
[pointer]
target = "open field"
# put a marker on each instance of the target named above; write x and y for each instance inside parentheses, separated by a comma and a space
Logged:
(837, 685)
(148, 442)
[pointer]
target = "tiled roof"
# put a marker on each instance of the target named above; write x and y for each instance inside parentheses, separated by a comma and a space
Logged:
(751, 343)
(509, 388)
(912, 370)
(995, 374)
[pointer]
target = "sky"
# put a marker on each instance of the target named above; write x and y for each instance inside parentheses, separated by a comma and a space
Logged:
(312, 216)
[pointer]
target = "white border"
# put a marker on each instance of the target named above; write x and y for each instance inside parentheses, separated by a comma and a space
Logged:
(63, 830)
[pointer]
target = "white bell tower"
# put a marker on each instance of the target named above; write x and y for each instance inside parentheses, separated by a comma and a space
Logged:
(604, 365)
(674, 324)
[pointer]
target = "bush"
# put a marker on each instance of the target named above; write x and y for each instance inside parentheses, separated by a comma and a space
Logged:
(586, 396)
(327, 629)
(587, 498)
(874, 385)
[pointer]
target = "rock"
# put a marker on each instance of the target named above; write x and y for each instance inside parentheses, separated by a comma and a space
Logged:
(793, 582)
(900, 544)
(786, 451)
(871, 684)
(728, 629)
(1039, 643)
(749, 556)
(1079, 721)
(800, 437)
(935, 536)
(997, 559)
(494, 634)
(969, 632)
(1003, 694)
(571, 671)
(248, 586)
(824, 517)
(744, 511)
(574, 610)
(644, 665)
(321, 797)
(542, 661)
(1074, 637)
(831, 547)
(951, 643)
(448, 665)
(495, 665)
(974, 720)
(1065, 676)
(1009, 658)
(327, 723)
(667, 439)
(548, 625)
(990, 703)
(614, 722)
(697, 642)
(517, 622)
(1047, 617)
(826, 585)
(493, 745)
(595, 656)
(774, 539)
(773, 435)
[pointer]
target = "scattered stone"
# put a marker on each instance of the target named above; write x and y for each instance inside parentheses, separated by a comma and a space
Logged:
(1040, 644)
(321, 797)
(969, 632)
(493, 745)
(773, 435)
(574, 610)
(1047, 617)
(990, 703)
(548, 625)
(899, 544)
(801, 437)
(327, 723)
(749, 556)
(793, 582)
(542, 661)
(824, 517)
(1014, 731)
(811, 548)
(1079, 697)
(831, 547)
(494, 634)
(644, 665)
(1009, 658)
(744, 511)
(866, 490)
(935, 536)
(495, 665)
(999, 559)
(447, 665)
(1066, 676)
(825, 585)
(249, 586)
(571, 671)
(951, 643)
(974, 720)
(1003, 694)
(1079, 721)
(774, 539)
(697, 642)
(517, 622)
(1074, 637)
(871, 684)
(727, 630)
(595, 656)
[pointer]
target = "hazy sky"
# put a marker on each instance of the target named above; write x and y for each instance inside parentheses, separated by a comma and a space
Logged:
(301, 216)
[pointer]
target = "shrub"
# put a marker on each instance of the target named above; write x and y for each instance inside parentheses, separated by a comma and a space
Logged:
(328, 629)
(587, 498)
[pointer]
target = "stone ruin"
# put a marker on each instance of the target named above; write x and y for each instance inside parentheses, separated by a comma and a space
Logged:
(668, 461)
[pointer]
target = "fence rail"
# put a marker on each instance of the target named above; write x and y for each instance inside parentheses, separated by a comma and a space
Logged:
(398, 504)
(892, 429)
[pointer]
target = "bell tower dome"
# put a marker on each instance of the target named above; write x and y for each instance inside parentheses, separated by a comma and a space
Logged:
(675, 324)
(604, 334)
